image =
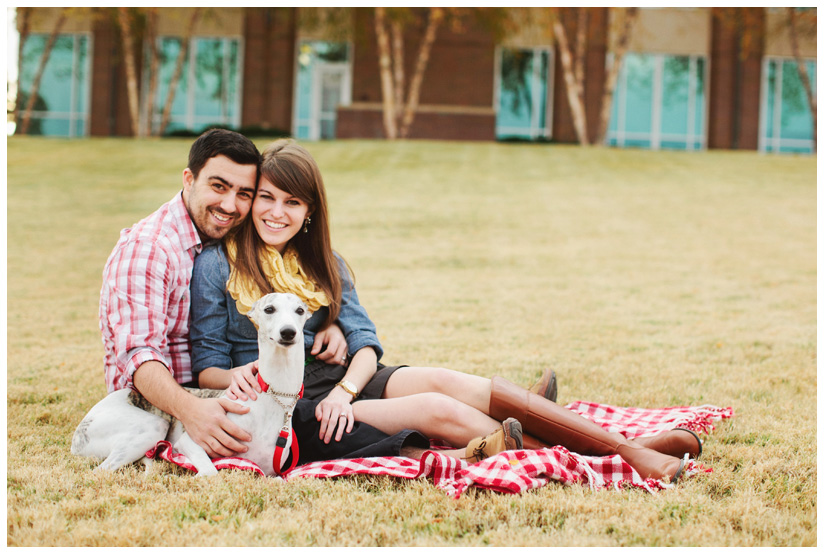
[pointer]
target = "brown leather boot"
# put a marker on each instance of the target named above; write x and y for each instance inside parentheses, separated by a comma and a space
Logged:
(505, 438)
(550, 423)
(546, 386)
(676, 443)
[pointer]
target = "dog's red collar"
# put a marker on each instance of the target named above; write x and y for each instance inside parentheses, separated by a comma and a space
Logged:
(286, 431)
(265, 387)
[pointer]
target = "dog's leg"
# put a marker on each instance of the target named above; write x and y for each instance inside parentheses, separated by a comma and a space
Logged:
(148, 465)
(130, 449)
(196, 455)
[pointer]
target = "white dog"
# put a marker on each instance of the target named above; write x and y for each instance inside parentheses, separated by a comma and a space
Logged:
(123, 426)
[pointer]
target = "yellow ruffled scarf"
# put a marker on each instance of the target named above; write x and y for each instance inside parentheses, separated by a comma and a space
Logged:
(285, 275)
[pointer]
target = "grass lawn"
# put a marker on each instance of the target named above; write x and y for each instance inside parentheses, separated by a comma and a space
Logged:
(643, 278)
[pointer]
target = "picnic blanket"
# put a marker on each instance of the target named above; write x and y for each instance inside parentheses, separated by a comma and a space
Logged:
(518, 470)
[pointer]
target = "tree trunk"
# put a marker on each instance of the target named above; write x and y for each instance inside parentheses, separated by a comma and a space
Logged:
(385, 68)
(581, 44)
(802, 67)
(173, 83)
(575, 88)
(631, 14)
(25, 26)
(44, 58)
(151, 40)
(131, 71)
(436, 15)
(398, 68)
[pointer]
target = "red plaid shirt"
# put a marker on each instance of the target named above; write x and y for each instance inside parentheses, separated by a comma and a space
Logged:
(144, 301)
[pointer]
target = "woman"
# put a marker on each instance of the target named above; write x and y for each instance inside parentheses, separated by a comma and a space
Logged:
(285, 246)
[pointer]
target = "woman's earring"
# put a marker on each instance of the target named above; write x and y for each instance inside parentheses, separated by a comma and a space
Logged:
(306, 224)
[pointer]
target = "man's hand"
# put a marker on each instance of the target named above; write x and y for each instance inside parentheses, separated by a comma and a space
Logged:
(204, 419)
(333, 344)
(207, 424)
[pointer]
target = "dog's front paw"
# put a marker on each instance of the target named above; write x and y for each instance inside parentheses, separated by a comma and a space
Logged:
(207, 472)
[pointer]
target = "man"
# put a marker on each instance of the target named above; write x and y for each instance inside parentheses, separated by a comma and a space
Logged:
(144, 307)
(144, 301)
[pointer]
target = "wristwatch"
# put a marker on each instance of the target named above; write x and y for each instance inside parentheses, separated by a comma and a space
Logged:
(349, 387)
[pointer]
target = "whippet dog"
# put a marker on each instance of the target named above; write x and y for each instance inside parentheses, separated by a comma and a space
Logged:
(123, 426)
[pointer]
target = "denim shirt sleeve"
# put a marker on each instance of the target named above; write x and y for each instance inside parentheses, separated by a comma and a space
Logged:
(209, 319)
(353, 320)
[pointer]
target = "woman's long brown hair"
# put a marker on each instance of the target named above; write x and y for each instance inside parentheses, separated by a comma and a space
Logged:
(292, 169)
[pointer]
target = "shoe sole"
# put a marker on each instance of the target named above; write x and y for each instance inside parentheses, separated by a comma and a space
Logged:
(513, 432)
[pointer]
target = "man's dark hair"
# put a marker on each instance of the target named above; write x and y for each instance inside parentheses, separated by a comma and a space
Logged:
(217, 142)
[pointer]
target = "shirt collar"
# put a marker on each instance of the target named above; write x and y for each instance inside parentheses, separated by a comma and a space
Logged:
(188, 233)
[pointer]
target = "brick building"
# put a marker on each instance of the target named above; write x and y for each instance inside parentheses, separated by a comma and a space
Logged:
(689, 81)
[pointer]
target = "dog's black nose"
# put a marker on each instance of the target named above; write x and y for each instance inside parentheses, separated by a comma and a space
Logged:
(288, 334)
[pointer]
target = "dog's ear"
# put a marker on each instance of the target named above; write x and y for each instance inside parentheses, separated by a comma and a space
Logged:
(307, 312)
(254, 312)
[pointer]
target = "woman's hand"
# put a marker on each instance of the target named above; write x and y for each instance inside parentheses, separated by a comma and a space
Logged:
(333, 344)
(335, 412)
(244, 382)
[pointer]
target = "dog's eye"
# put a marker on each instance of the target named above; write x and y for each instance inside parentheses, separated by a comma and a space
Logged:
(299, 311)
(269, 310)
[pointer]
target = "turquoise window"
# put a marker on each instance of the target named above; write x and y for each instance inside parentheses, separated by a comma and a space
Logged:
(208, 90)
(659, 103)
(321, 85)
(62, 104)
(786, 123)
(524, 83)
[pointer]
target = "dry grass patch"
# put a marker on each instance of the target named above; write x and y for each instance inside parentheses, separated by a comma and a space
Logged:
(645, 279)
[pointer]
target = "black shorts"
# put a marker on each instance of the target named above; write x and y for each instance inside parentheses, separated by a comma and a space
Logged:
(320, 378)
(362, 441)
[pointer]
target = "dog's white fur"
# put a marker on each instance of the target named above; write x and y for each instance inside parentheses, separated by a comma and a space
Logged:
(123, 426)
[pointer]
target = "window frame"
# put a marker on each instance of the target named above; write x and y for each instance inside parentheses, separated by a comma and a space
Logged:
(536, 132)
(313, 122)
(655, 136)
(73, 116)
(776, 143)
(192, 121)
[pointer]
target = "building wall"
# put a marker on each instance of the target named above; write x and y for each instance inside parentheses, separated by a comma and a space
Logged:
(456, 99)
(735, 77)
(269, 35)
(563, 129)
(109, 98)
(679, 31)
(778, 41)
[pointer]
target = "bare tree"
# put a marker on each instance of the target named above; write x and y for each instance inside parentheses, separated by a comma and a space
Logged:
(154, 62)
(388, 93)
(24, 15)
(124, 20)
(38, 76)
(400, 105)
(573, 78)
(435, 17)
(572, 59)
(630, 16)
(179, 62)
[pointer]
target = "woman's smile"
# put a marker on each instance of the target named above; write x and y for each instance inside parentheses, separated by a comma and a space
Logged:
(277, 215)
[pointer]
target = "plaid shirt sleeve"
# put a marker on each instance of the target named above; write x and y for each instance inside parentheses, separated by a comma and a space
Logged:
(134, 316)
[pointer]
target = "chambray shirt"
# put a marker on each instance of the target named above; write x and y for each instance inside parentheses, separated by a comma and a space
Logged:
(224, 338)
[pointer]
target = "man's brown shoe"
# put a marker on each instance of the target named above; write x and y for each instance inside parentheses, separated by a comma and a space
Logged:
(546, 386)
(505, 438)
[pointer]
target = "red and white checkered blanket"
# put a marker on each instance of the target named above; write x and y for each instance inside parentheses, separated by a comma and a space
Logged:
(513, 471)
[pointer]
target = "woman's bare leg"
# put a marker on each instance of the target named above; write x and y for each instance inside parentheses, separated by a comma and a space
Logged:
(468, 389)
(432, 414)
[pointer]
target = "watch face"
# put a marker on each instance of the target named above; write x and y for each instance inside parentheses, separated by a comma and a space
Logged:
(349, 387)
